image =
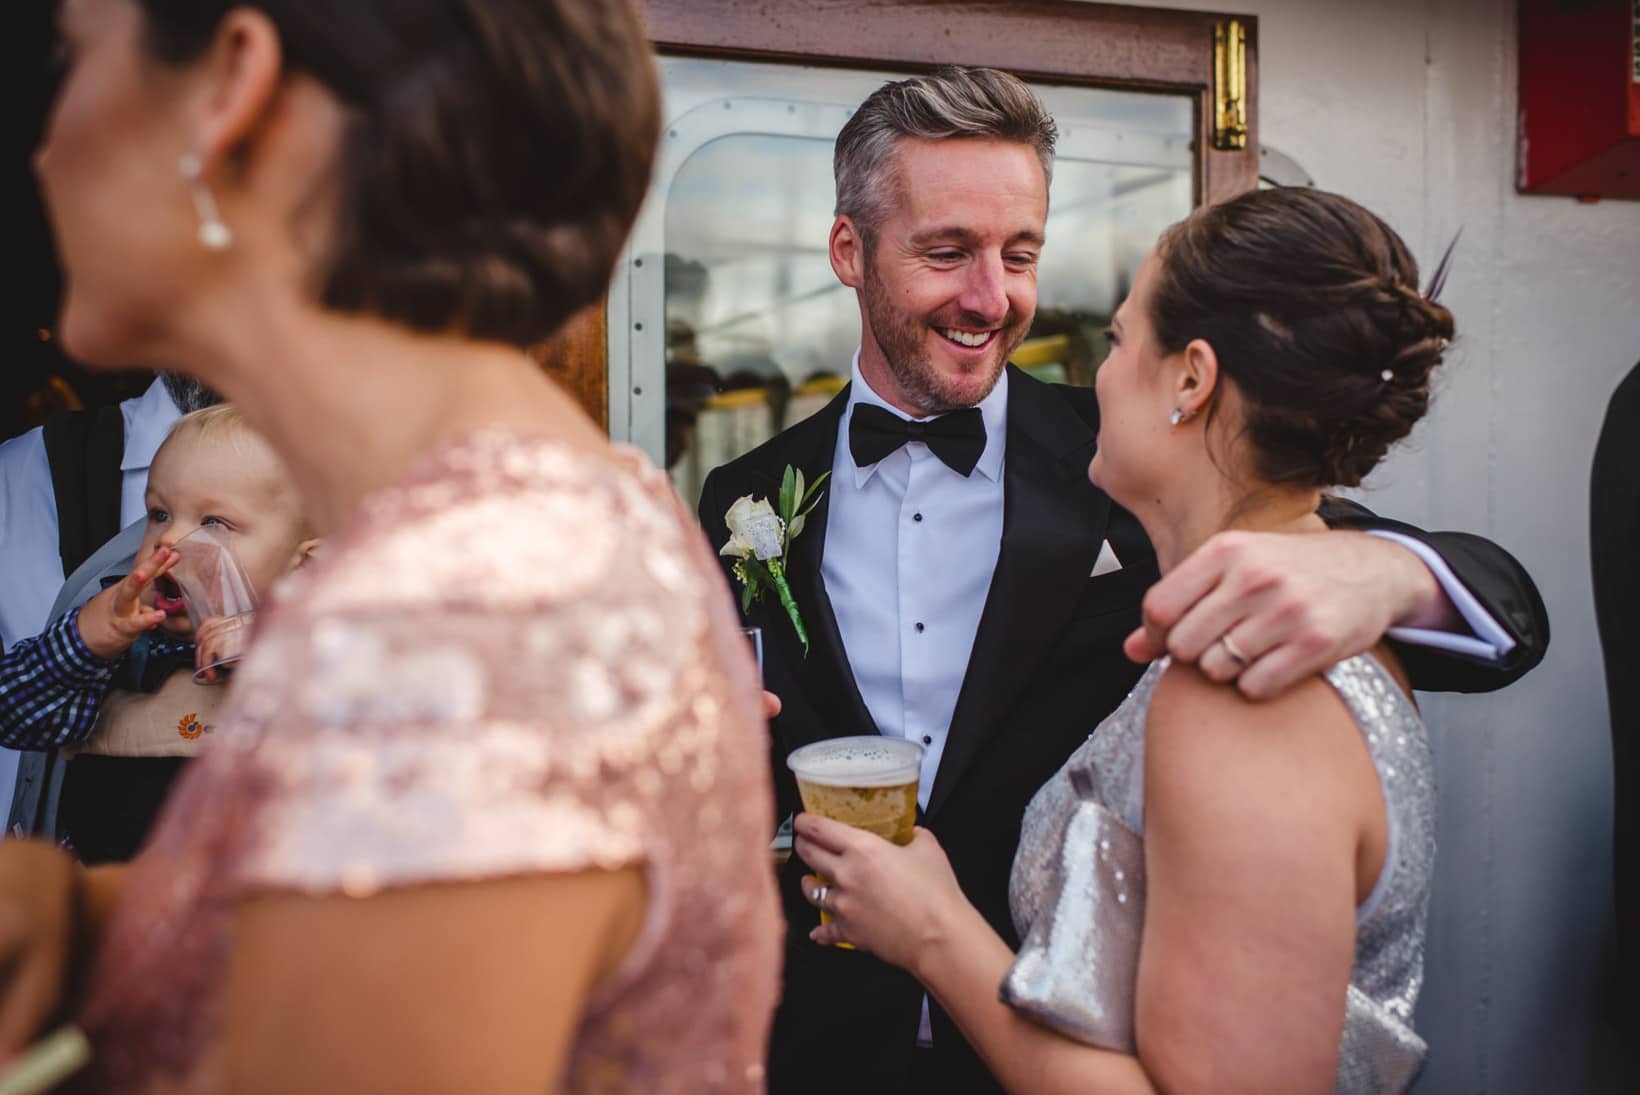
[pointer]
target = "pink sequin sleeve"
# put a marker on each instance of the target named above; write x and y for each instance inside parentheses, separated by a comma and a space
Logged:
(490, 681)
(521, 659)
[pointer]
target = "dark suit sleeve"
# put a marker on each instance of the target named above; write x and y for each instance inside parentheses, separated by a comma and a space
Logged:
(711, 511)
(1499, 583)
(1614, 542)
(716, 495)
(709, 506)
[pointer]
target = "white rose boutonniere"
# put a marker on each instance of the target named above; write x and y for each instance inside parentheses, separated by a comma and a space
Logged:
(760, 536)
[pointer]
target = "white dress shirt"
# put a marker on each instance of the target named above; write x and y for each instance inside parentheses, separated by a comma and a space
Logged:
(910, 549)
(28, 525)
(1489, 641)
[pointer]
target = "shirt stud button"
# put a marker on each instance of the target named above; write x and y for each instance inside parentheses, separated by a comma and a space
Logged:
(928, 739)
(916, 517)
(919, 628)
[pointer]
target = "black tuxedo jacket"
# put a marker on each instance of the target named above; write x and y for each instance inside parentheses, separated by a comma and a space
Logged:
(1614, 543)
(1046, 667)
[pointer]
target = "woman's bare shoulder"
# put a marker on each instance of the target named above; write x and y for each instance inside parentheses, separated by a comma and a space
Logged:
(1281, 752)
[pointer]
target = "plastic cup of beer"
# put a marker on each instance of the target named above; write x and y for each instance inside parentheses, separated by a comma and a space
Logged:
(220, 600)
(867, 782)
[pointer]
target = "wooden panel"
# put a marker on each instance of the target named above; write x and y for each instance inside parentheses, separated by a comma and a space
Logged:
(1045, 37)
(578, 358)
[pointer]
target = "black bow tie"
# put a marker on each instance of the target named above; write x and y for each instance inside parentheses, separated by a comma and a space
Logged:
(957, 438)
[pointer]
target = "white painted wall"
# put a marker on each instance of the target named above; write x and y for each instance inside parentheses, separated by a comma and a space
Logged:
(1408, 106)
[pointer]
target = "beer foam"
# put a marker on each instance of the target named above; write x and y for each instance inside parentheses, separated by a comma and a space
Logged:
(858, 762)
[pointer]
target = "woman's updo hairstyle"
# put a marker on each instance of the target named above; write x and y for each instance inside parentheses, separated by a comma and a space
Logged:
(495, 157)
(1312, 306)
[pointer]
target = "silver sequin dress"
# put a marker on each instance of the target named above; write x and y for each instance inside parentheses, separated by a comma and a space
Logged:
(1078, 886)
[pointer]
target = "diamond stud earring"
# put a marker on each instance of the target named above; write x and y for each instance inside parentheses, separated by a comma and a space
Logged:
(213, 234)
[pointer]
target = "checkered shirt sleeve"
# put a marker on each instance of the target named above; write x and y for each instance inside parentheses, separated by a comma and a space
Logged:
(51, 688)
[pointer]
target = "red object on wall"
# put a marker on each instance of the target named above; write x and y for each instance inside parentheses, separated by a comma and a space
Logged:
(1579, 98)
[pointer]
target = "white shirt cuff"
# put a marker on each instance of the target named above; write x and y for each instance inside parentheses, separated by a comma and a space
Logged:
(1490, 642)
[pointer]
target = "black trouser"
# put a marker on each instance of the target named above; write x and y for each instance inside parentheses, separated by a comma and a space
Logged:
(108, 804)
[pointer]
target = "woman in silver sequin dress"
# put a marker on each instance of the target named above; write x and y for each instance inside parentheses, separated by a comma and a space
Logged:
(1212, 894)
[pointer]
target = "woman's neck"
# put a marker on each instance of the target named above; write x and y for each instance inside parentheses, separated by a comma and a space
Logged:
(351, 403)
(1182, 521)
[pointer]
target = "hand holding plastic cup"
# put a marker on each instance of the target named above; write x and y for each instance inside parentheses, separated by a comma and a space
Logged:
(868, 782)
(220, 600)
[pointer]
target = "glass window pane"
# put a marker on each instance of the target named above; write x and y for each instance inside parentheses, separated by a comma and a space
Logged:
(727, 323)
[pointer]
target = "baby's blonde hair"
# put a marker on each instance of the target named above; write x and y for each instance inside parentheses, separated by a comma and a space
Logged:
(224, 420)
(213, 419)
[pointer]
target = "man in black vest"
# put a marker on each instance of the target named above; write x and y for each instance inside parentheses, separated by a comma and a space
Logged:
(965, 586)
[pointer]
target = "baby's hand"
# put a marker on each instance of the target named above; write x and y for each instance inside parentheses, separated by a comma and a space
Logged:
(220, 639)
(111, 621)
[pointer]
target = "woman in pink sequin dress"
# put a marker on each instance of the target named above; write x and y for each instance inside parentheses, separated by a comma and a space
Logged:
(488, 809)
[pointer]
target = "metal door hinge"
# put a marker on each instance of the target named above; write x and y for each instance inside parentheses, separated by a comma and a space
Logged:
(1229, 85)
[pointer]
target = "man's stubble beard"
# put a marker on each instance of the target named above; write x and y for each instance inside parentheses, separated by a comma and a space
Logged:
(900, 337)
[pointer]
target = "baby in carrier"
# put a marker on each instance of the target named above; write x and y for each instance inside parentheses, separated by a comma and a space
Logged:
(112, 684)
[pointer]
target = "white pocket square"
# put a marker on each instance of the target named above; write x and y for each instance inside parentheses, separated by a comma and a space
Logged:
(1107, 563)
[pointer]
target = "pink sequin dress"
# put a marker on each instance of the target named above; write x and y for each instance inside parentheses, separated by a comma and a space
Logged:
(520, 659)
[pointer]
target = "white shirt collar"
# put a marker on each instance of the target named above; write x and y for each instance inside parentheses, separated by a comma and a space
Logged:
(148, 420)
(993, 411)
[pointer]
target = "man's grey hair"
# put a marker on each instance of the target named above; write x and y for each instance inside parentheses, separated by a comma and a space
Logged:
(187, 393)
(947, 104)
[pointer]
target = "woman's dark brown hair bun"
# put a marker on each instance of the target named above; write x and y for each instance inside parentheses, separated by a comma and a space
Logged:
(495, 154)
(1312, 306)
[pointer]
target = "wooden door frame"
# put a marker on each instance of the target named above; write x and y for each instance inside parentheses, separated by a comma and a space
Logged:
(1054, 41)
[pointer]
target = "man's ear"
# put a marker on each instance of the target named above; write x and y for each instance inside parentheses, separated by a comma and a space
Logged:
(847, 250)
(304, 552)
(1197, 379)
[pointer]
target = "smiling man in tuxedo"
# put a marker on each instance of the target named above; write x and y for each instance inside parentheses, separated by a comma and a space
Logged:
(965, 586)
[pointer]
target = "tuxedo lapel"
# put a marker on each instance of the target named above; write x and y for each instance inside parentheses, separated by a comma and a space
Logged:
(826, 667)
(1053, 523)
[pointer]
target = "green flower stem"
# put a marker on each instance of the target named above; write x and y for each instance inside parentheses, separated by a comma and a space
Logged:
(783, 590)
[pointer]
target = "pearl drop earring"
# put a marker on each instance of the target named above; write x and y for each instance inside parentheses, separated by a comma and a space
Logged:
(214, 235)
(1176, 417)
